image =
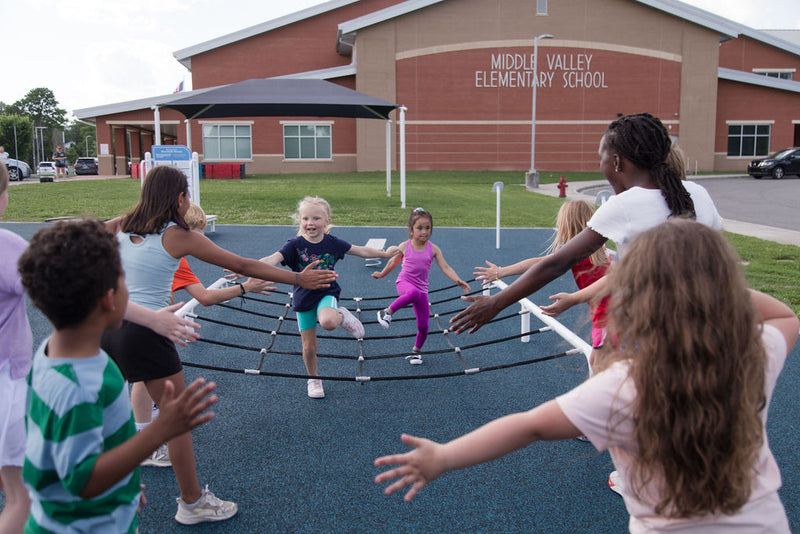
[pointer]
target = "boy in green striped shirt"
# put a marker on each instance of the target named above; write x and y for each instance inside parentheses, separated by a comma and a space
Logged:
(82, 451)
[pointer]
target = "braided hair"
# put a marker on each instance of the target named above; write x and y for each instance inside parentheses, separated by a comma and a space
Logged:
(643, 140)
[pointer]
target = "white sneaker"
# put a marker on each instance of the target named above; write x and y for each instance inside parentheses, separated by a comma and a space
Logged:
(351, 324)
(415, 358)
(315, 390)
(384, 318)
(159, 458)
(208, 508)
(615, 482)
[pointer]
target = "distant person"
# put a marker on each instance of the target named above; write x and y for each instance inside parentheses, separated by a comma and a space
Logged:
(417, 255)
(60, 159)
(3, 154)
(681, 405)
(16, 349)
(314, 245)
(82, 451)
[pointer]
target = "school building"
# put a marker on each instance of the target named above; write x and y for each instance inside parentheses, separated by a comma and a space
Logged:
(465, 70)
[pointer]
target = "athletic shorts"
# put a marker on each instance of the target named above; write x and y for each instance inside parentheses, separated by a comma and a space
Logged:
(140, 353)
(306, 320)
(13, 395)
(60, 164)
(598, 337)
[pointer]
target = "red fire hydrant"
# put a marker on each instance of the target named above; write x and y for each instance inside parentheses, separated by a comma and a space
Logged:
(562, 187)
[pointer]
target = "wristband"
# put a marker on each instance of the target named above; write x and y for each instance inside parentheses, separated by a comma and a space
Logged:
(497, 274)
(241, 288)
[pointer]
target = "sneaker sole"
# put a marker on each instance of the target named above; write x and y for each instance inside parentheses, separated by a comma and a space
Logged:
(155, 463)
(195, 520)
(415, 361)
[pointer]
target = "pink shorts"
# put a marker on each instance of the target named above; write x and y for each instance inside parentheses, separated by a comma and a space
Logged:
(598, 337)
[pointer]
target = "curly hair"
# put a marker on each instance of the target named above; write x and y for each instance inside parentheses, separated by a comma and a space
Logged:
(570, 221)
(158, 202)
(643, 140)
(67, 268)
(683, 318)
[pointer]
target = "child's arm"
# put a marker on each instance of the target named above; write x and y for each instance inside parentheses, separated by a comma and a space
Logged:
(429, 460)
(773, 312)
(179, 242)
(564, 301)
(164, 322)
(113, 225)
(177, 415)
(393, 262)
(493, 272)
(447, 270)
(273, 259)
(369, 252)
(209, 297)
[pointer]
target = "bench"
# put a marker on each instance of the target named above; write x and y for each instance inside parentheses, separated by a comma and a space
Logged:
(378, 243)
(211, 223)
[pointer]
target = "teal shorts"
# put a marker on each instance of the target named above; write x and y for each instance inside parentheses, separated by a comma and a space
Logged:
(306, 320)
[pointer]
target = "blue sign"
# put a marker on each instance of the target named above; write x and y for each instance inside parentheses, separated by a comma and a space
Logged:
(171, 153)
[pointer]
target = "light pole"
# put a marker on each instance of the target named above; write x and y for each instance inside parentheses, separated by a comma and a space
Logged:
(532, 177)
(40, 141)
(86, 141)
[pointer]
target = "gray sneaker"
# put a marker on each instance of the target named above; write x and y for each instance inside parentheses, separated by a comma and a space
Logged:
(351, 324)
(384, 318)
(159, 458)
(208, 508)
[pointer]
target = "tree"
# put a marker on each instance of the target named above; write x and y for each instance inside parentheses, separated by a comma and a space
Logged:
(83, 136)
(21, 146)
(41, 106)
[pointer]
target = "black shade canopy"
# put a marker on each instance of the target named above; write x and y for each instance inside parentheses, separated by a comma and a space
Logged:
(280, 97)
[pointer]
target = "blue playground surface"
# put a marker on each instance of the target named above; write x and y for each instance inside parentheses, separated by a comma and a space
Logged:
(295, 464)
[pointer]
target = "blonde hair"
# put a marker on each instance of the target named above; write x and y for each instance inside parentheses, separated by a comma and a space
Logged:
(570, 221)
(677, 160)
(312, 202)
(683, 317)
(4, 179)
(195, 217)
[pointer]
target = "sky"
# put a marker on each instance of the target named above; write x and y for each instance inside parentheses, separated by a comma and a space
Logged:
(95, 52)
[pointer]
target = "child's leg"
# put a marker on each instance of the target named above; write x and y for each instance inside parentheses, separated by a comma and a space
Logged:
(407, 294)
(422, 312)
(141, 403)
(181, 449)
(18, 504)
(309, 339)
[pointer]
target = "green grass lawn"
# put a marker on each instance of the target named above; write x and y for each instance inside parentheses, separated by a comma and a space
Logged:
(461, 199)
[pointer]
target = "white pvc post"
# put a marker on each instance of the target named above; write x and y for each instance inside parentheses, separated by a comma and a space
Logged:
(388, 158)
(194, 179)
(188, 135)
(497, 188)
(402, 156)
(525, 325)
(148, 165)
(157, 125)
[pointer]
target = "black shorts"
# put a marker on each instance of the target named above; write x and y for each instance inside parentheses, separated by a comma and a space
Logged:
(140, 353)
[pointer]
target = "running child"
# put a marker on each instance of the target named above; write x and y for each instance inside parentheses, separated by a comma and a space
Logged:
(571, 220)
(417, 255)
(82, 451)
(681, 406)
(314, 245)
(153, 237)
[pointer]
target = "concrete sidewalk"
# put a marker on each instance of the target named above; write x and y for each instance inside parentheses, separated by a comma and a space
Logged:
(589, 190)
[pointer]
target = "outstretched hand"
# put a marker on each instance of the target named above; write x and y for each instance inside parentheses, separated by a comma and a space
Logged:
(180, 414)
(177, 329)
(481, 311)
(487, 274)
(377, 275)
(415, 468)
(394, 250)
(256, 285)
(311, 278)
(563, 302)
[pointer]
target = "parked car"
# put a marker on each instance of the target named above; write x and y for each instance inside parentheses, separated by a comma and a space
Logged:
(777, 165)
(46, 168)
(86, 166)
(17, 169)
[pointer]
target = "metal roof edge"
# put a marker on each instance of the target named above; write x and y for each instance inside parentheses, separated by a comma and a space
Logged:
(383, 15)
(322, 74)
(757, 79)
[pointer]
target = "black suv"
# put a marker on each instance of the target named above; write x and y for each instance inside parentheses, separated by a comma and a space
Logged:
(86, 166)
(777, 165)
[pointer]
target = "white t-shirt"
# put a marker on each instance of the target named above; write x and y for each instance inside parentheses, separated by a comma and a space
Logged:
(601, 409)
(624, 216)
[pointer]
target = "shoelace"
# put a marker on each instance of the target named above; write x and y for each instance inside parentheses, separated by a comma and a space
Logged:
(210, 498)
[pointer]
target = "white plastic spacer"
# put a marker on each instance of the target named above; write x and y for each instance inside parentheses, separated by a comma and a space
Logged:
(472, 371)
(361, 358)
(252, 372)
(363, 379)
(263, 352)
(546, 328)
(457, 349)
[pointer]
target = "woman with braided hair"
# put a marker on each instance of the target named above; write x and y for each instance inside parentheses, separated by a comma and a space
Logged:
(634, 158)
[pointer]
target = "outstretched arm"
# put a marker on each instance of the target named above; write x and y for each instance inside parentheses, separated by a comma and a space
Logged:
(164, 322)
(564, 301)
(773, 312)
(369, 252)
(393, 262)
(448, 271)
(429, 460)
(209, 297)
(493, 272)
(483, 309)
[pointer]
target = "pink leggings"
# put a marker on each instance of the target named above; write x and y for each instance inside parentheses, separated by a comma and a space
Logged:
(419, 299)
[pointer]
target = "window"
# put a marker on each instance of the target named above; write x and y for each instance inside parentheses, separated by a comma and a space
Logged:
(541, 7)
(782, 74)
(227, 141)
(748, 139)
(307, 141)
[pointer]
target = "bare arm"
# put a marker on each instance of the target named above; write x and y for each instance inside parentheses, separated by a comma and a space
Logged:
(164, 322)
(177, 415)
(429, 460)
(369, 252)
(179, 242)
(393, 262)
(483, 309)
(564, 301)
(773, 312)
(494, 272)
(209, 297)
(448, 271)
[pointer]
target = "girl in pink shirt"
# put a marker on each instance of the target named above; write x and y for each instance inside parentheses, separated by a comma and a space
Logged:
(417, 255)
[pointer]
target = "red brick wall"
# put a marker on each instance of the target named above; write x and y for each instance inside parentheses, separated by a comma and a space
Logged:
(746, 54)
